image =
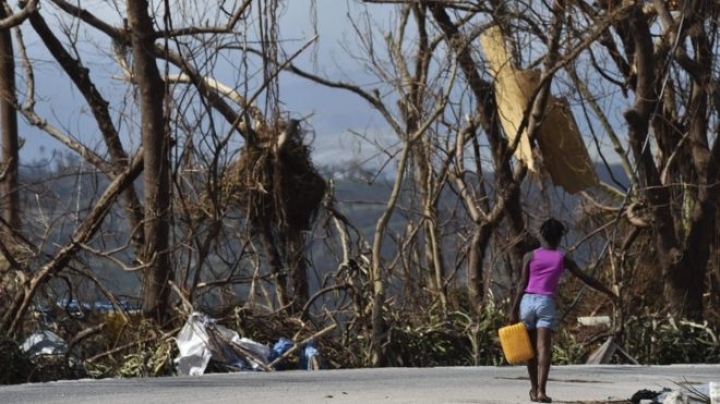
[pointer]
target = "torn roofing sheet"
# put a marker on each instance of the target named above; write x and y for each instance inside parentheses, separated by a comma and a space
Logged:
(561, 147)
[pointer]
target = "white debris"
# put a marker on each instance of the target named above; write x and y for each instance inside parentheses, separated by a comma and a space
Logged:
(44, 342)
(202, 339)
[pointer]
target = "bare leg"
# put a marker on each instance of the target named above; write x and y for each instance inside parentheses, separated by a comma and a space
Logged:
(544, 355)
(532, 367)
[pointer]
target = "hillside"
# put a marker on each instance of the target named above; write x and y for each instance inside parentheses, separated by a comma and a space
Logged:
(50, 195)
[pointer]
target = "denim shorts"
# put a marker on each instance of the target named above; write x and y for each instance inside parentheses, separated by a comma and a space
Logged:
(538, 311)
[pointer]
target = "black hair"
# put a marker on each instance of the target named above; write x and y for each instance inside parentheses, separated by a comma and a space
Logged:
(552, 231)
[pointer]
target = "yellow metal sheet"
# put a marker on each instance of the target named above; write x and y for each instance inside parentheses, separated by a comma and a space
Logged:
(563, 153)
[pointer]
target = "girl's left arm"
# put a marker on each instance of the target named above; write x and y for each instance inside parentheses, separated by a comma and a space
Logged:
(587, 279)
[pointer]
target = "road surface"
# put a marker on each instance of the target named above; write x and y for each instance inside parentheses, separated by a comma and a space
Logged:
(496, 385)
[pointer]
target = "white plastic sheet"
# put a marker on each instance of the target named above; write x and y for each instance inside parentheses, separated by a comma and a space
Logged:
(192, 343)
(202, 339)
(44, 342)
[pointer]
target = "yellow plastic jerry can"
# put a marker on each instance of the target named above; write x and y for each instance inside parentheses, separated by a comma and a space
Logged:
(515, 343)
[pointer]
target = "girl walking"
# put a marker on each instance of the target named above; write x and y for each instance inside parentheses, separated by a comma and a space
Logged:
(534, 302)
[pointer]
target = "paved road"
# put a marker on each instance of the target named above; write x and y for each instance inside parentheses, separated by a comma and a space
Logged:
(496, 385)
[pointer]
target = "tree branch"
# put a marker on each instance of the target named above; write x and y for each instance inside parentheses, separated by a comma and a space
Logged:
(27, 9)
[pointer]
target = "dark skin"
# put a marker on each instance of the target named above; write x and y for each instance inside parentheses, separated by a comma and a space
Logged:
(539, 366)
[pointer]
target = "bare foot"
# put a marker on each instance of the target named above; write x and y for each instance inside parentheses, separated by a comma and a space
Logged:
(543, 398)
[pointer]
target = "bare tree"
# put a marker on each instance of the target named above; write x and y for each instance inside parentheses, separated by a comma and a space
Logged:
(156, 174)
(230, 192)
(570, 48)
(10, 140)
(137, 50)
(674, 91)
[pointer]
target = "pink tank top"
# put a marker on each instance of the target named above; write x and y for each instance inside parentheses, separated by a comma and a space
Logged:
(545, 269)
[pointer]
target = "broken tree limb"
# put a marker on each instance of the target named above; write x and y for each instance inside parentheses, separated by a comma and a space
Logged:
(187, 306)
(298, 345)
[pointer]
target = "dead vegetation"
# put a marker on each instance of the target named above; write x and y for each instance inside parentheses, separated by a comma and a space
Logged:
(141, 349)
(275, 184)
(274, 181)
(429, 291)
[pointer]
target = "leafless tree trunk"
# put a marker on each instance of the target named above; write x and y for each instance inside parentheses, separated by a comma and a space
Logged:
(685, 285)
(10, 142)
(507, 182)
(275, 262)
(156, 176)
(415, 77)
(683, 263)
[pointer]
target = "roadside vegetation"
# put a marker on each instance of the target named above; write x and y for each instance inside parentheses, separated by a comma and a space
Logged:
(183, 182)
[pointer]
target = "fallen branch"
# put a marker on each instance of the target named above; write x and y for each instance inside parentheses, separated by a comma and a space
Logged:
(300, 344)
(121, 348)
(187, 306)
(81, 336)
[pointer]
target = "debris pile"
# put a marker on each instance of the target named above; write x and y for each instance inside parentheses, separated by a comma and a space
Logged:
(202, 341)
